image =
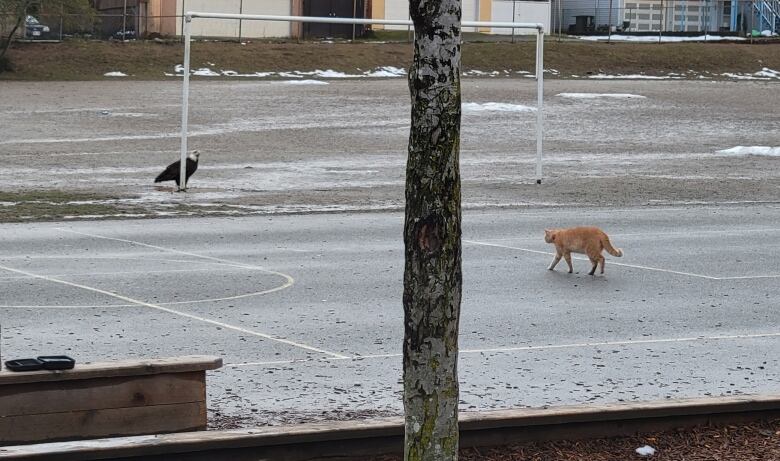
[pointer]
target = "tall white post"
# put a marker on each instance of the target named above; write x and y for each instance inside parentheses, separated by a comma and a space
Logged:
(185, 107)
(539, 101)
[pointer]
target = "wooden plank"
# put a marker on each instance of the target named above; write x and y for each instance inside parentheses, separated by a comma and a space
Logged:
(103, 423)
(374, 436)
(101, 393)
(118, 368)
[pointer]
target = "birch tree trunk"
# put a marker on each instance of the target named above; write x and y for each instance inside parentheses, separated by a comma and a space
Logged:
(432, 235)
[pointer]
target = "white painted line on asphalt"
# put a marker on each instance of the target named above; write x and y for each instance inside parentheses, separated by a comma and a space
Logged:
(748, 277)
(95, 274)
(289, 280)
(170, 303)
(660, 207)
(628, 342)
(175, 312)
(654, 234)
(612, 262)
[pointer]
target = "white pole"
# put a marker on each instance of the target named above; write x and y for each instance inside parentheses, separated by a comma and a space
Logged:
(331, 20)
(124, 22)
(185, 104)
(539, 101)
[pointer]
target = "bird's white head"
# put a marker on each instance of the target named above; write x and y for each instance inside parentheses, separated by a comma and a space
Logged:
(194, 155)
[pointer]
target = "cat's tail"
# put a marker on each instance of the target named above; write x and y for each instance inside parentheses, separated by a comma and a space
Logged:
(610, 249)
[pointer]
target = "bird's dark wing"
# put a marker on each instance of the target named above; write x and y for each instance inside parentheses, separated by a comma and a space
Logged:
(170, 174)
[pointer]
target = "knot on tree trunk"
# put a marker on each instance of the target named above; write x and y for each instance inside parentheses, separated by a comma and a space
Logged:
(429, 234)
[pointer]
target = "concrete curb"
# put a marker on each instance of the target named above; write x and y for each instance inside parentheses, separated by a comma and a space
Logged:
(361, 439)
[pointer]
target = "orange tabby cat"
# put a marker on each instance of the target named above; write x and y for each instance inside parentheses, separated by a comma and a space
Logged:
(585, 240)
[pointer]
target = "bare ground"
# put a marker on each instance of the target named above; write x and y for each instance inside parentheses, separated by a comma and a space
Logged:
(150, 60)
(742, 442)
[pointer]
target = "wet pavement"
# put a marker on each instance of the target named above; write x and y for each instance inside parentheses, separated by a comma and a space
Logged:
(306, 309)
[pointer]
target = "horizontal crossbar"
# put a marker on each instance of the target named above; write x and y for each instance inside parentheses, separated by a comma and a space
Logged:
(188, 16)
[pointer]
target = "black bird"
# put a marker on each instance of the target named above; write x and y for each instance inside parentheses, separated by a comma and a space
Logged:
(172, 172)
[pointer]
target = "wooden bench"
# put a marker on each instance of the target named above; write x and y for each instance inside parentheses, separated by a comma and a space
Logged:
(122, 398)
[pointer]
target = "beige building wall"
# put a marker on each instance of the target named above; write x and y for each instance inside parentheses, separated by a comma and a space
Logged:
(161, 17)
(232, 28)
(473, 10)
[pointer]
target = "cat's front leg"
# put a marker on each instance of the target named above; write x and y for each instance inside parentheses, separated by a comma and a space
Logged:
(567, 256)
(554, 261)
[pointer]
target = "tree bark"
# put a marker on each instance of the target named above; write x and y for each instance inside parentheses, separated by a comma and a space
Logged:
(432, 235)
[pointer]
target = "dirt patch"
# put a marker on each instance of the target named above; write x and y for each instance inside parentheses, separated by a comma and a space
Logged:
(48, 205)
(150, 60)
(746, 442)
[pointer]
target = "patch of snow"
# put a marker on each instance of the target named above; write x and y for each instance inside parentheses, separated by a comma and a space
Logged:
(767, 72)
(752, 150)
(205, 72)
(600, 95)
(303, 82)
(496, 107)
(330, 74)
(632, 77)
(115, 73)
(654, 38)
(386, 71)
(131, 114)
(742, 76)
(232, 73)
(767, 33)
(646, 450)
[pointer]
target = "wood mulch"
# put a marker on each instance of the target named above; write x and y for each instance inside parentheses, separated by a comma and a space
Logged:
(758, 441)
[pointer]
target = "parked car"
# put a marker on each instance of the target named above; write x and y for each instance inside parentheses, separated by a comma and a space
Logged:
(34, 29)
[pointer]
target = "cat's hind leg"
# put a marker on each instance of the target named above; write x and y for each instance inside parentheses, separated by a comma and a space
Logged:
(601, 262)
(554, 261)
(595, 263)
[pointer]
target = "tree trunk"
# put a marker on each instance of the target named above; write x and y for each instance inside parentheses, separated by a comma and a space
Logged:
(432, 235)
(7, 40)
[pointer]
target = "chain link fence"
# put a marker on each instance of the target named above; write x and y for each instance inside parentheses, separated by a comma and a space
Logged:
(631, 17)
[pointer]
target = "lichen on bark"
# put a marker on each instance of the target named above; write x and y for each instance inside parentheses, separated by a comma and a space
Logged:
(432, 235)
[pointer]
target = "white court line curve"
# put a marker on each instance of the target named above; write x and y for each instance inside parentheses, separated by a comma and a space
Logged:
(509, 350)
(169, 303)
(289, 281)
(175, 312)
(647, 268)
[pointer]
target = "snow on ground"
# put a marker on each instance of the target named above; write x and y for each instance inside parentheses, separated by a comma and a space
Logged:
(655, 38)
(115, 74)
(764, 74)
(384, 72)
(600, 95)
(752, 150)
(392, 72)
(496, 107)
(634, 77)
(303, 82)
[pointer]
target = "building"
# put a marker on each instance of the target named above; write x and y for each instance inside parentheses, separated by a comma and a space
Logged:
(682, 16)
(164, 17)
(528, 11)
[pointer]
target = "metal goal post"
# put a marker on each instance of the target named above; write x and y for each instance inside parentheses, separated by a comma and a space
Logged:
(189, 16)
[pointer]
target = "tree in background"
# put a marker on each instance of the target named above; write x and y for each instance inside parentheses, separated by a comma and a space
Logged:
(432, 235)
(15, 12)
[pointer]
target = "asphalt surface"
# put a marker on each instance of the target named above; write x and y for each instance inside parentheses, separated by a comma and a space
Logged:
(306, 309)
